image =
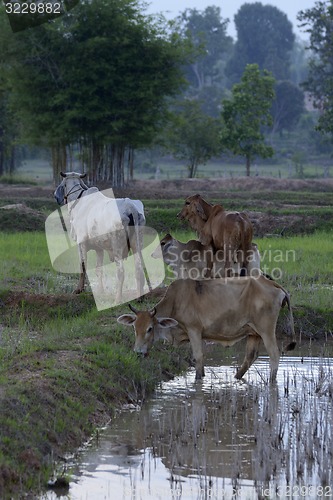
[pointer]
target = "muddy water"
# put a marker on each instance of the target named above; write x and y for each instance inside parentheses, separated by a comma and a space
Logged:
(218, 439)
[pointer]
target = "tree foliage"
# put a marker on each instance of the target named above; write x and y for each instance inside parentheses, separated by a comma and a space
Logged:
(246, 113)
(287, 107)
(207, 31)
(318, 22)
(193, 136)
(264, 37)
(97, 79)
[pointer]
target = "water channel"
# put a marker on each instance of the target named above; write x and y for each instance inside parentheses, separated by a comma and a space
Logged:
(219, 439)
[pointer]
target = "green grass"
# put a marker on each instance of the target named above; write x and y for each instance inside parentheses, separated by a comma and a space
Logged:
(60, 358)
(60, 377)
(40, 171)
(304, 265)
(24, 262)
(227, 168)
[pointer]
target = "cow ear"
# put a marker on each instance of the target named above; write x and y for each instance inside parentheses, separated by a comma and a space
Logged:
(62, 174)
(200, 211)
(127, 319)
(167, 322)
(167, 245)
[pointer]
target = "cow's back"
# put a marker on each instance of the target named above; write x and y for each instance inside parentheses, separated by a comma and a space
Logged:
(230, 228)
(219, 308)
(94, 217)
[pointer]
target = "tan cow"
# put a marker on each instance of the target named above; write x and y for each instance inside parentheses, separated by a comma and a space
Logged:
(197, 261)
(231, 232)
(219, 310)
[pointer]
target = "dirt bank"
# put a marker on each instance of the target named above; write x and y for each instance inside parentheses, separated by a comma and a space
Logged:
(154, 189)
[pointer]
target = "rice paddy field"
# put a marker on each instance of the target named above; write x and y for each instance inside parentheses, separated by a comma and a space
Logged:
(66, 368)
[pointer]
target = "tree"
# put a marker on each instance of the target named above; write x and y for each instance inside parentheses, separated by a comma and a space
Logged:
(299, 62)
(97, 78)
(9, 159)
(193, 136)
(246, 113)
(9, 152)
(208, 33)
(319, 24)
(287, 107)
(264, 37)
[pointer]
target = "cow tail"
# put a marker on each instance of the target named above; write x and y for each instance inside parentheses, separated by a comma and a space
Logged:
(138, 236)
(244, 250)
(291, 346)
(244, 246)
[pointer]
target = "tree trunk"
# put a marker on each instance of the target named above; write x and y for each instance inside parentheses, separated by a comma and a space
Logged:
(131, 163)
(12, 160)
(248, 165)
(59, 160)
(96, 159)
(116, 166)
(2, 153)
(191, 170)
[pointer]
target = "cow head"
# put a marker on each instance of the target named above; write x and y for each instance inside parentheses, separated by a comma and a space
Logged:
(71, 185)
(146, 327)
(164, 245)
(195, 211)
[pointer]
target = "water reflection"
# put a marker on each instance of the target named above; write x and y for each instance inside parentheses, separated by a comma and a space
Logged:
(221, 438)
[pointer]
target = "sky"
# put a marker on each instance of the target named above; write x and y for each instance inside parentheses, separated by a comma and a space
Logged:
(171, 9)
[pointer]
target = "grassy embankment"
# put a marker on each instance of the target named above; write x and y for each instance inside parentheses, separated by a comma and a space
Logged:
(64, 367)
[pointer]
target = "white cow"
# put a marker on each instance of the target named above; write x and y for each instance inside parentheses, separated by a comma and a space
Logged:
(100, 223)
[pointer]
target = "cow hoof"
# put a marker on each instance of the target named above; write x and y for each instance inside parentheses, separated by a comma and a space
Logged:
(239, 374)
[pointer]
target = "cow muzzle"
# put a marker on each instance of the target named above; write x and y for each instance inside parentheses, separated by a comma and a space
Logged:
(142, 353)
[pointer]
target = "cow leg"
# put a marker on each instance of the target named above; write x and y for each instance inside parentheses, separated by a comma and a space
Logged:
(139, 275)
(196, 345)
(227, 260)
(83, 260)
(120, 279)
(251, 354)
(273, 353)
(99, 269)
(135, 244)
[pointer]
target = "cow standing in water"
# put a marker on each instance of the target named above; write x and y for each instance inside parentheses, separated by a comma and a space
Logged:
(100, 223)
(220, 310)
(230, 232)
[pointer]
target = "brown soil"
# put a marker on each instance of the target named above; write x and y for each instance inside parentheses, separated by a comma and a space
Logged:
(263, 222)
(173, 189)
(184, 187)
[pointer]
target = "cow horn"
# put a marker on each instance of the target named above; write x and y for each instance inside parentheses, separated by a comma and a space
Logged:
(82, 176)
(152, 312)
(133, 309)
(62, 174)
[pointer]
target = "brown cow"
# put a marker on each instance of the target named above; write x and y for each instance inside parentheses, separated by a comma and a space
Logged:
(197, 261)
(231, 232)
(219, 310)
